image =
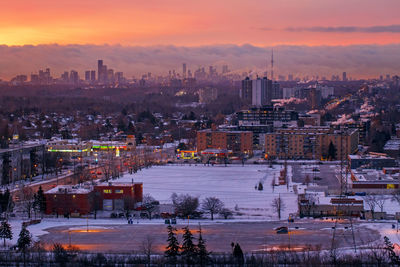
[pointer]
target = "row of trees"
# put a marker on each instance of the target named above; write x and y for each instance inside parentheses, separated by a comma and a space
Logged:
(187, 206)
(190, 252)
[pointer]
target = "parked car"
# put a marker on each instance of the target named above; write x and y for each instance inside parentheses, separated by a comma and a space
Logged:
(282, 230)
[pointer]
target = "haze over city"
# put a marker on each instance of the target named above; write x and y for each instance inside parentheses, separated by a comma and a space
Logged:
(311, 37)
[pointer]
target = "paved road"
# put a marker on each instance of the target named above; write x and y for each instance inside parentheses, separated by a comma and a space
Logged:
(252, 236)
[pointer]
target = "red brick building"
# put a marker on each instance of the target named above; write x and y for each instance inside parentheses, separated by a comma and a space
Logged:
(66, 199)
(81, 200)
(114, 196)
(238, 142)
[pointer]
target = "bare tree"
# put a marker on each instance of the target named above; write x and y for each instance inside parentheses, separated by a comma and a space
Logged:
(129, 204)
(371, 202)
(273, 184)
(147, 247)
(278, 205)
(27, 201)
(150, 204)
(185, 205)
(212, 205)
(396, 196)
(380, 201)
(226, 213)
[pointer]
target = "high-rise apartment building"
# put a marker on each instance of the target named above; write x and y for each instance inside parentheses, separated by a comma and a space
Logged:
(311, 143)
(258, 92)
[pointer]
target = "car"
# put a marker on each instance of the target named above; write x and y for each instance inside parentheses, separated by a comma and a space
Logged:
(282, 230)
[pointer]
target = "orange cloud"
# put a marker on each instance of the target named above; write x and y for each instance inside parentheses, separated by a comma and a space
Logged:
(191, 23)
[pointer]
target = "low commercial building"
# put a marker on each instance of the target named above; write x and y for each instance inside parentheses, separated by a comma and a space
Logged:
(392, 147)
(118, 196)
(80, 200)
(329, 206)
(69, 200)
(71, 147)
(371, 161)
(374, 181)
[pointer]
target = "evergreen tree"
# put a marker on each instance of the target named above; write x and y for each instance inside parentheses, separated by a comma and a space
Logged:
(4, 200)
(5, 231)
(24, 240)
(238, 254)
(260, 186)
(189, 250)
(172, 251)
(202, 252)
(395, 260)
(331, 151)
(41, 200)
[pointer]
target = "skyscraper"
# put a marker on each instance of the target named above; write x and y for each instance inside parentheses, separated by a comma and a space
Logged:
(87, 75)
(92, 75)
(100, 70)
(184, 70)
(344, 76)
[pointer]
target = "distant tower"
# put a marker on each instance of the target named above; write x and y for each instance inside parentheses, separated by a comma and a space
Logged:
(344, 76)
(184, 70)
(272, 65)
(100, 70)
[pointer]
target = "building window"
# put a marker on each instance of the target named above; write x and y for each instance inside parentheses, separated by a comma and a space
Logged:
(107, 191)
(73, 196)
(119, 191)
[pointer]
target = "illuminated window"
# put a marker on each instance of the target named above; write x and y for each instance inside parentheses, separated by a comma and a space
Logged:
(107, 191)
(73, 196)
(119, 191)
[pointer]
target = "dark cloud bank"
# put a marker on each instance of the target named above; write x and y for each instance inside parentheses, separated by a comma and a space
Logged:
(349, 29)
(357, 60)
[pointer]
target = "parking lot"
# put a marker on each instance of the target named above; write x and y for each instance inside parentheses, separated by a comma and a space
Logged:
(252, 236)
(321, 174)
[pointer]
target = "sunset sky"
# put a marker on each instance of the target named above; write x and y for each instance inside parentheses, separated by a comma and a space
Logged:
(200, 22)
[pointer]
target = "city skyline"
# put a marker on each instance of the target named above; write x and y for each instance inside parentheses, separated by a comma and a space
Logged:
(365, 61)
(310, 37)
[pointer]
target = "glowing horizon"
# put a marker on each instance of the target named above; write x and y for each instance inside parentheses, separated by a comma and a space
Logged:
(184, 23)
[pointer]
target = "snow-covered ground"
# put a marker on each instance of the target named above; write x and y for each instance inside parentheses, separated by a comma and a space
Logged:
(234, 185)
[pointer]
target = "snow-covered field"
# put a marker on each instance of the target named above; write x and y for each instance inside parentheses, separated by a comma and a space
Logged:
(234, 185)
